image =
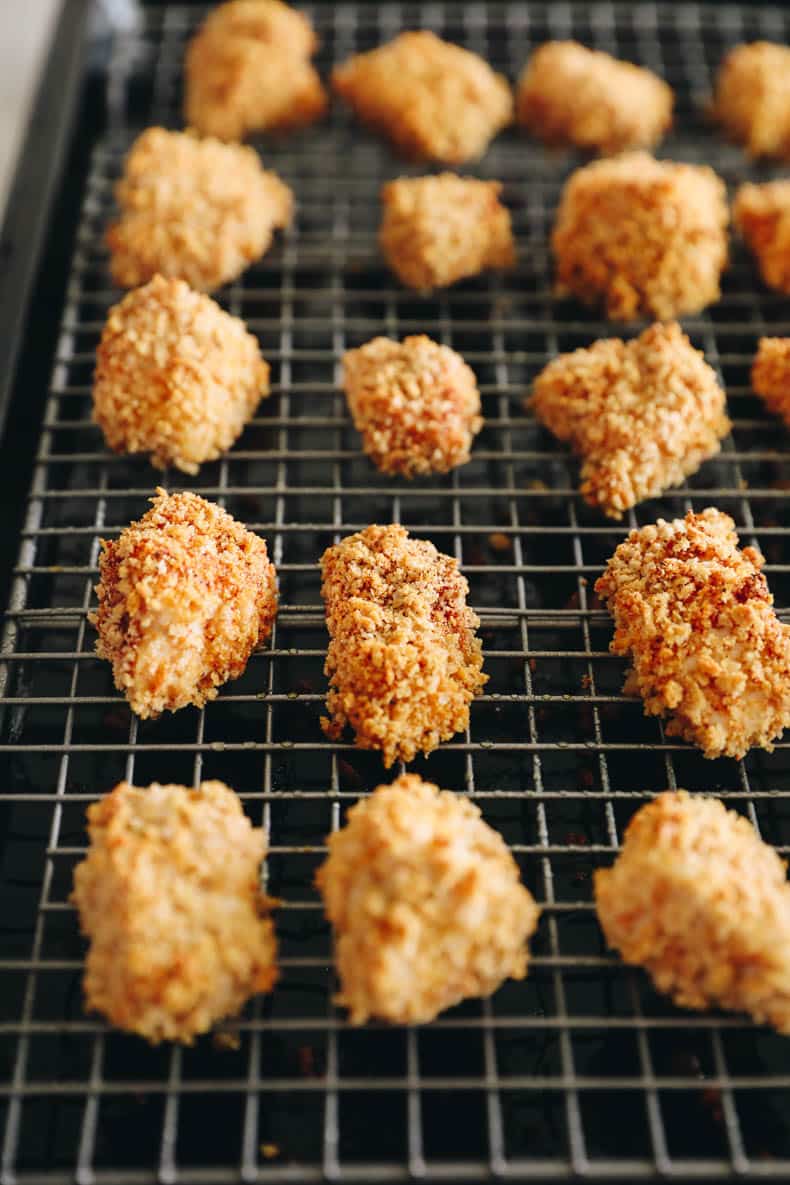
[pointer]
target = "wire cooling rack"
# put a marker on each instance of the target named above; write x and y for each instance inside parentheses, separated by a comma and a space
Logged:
(580, 1070)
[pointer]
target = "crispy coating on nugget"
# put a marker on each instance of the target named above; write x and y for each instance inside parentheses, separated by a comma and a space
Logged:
(426, 904)
(200, 210)
(568, 94)
(693, 612)
(771, 375)
(644, 237)
(403, 661)
(643, 414)
(762, 215)
(698, 900)
(169, 896)
(416, 404)
(436, 230)
(248, 70)
(185, 595)
(176, 376)
(752, 100)
(432, 99)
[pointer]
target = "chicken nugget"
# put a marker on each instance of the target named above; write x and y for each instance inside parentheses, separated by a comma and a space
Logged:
(436, 230)
(752, 99)
(416, 404)
(643, 414)
(169, 896)
(248, 70)
(196, 209)
(426, 903)
(434, 100)
(643, 237)
(176, 376)
(185, 595)
(771, 375)
(762, 215)
(697, 899)
(403, 661)
(694, 614)
(568, 94)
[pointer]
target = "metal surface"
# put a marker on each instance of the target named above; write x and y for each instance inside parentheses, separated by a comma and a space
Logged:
(580, 1070)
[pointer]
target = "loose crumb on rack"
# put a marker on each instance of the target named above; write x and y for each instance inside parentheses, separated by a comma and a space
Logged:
(693, 612)
(403, 661)
(426, 903)
(771, 375)
(698, 900)
(752, 99)
(762, 215)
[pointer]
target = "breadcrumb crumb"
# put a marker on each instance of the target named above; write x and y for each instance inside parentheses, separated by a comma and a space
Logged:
(643, 414)
(437, 230)
(426, 903)
(416, 404)
(762, 215)
(645, 237)
(176, 376)
(771, 375)
(568, 94)
(185, 595)
(199, 210)
(693, 612)
(698, 900)
(248, 70)
(752, 100)
(434, 100)
(169, 897)
(403, 661)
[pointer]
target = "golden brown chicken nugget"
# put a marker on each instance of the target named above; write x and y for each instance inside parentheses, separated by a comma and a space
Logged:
(762, 215)
(771, 375)
(752, 99)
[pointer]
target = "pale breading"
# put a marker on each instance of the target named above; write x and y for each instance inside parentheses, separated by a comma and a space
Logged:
(568, 94)
(437, 230)
(169, 896)
(771, 375)
(175, 376)
(762, 215)
(426, 903)
(248, 70)
(199, 210)
(752, 99)
(416, 404)
(643, 237)
(185, 595)
(403, 661)
(694, 614)
(643, 414)
(432, 99)
(698, 900)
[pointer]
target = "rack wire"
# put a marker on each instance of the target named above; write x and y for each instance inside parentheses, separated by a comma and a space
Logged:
(580, 1070)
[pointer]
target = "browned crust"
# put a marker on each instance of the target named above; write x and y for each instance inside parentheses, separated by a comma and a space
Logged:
(403, 661)
(752, 100)
(762, 215)
(426, 904)
(771, 375)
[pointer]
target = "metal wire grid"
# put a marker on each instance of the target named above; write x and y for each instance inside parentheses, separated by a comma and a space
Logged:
(580, 1070)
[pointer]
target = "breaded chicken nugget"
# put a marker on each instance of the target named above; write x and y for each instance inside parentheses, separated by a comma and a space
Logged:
(762, 215)
(568, 94)
(694, 614)
(185, 595)
(698, 900)
(436, 230)
(175, 376)
(196, 209)
(643, 414)
(169, 896)
(248, 70)
(752, 100)
(416, 404)
(403, 661)
(645, 237)
(426, 904)
(771, 375)
(434, 100)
